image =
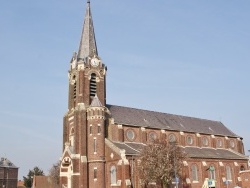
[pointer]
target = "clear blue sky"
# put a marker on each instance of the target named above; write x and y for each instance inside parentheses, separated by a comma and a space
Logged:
(180, 57)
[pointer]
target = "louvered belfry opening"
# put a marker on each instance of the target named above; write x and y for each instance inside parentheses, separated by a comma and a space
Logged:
(92, 85)
(74, 78)
(74, 90)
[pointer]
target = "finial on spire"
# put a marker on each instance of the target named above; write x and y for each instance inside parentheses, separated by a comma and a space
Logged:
(88, 1)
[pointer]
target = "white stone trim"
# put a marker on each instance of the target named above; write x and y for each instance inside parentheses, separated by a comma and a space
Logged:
(188, 180)
(75, 156)
(112, 146)
(185, 163)
(119, 182)
(204, 163)
(81, 106)
(119, 126)
(123, 158)
(127, 182)
(84, 159)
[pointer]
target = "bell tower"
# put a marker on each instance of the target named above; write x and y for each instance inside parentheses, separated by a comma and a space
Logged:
(84, 122)
(87, 72)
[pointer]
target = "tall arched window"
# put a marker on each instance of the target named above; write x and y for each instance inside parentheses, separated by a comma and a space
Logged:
(113, 175)
(212, 172)
(228, 173)
(194, 172)
(71, 136)
(92, 85)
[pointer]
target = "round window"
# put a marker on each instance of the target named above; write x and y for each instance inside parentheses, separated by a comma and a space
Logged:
(152, 136)
(130, 134)
(232, 143)
(189, 140)
(205, 141)
(171, 138)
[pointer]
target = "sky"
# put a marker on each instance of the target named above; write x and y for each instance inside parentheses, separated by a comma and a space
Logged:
(180, 57)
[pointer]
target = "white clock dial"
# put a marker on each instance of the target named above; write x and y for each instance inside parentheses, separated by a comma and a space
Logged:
(94, 62)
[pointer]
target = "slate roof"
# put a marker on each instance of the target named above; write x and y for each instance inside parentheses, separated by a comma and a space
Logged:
(4, 162)
(165, 121)
(213, 153)
(129, 147)
(192, 152)
(96, 102)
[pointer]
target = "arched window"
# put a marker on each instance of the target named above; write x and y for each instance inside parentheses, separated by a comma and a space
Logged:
(92, 85)
(228, 173)
(113, 175)
(71, 136)
(219, 143)
(189, 140)
(205, 141)
(194, 172)
(212, 172)
(95, 147)
(242, 168)
(74, 81)
(232, 144)
(72, 130)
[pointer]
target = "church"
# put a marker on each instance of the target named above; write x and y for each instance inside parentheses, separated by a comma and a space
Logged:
(101, 141)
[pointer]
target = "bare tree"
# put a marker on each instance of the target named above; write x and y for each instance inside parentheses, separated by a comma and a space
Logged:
(160, 162)
(54, 173)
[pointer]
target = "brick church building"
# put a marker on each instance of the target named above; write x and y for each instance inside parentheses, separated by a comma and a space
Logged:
(101, 141)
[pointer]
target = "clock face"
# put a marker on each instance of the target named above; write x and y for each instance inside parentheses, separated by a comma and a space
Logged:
(94, 62)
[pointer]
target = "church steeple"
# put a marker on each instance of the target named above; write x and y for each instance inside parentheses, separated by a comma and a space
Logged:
(87, 46)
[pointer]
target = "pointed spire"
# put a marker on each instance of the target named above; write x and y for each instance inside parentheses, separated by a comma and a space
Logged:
(88, 43)
(96, 102)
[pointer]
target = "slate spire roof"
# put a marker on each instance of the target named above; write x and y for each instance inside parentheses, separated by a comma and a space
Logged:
(96, 102)
(87, 45)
